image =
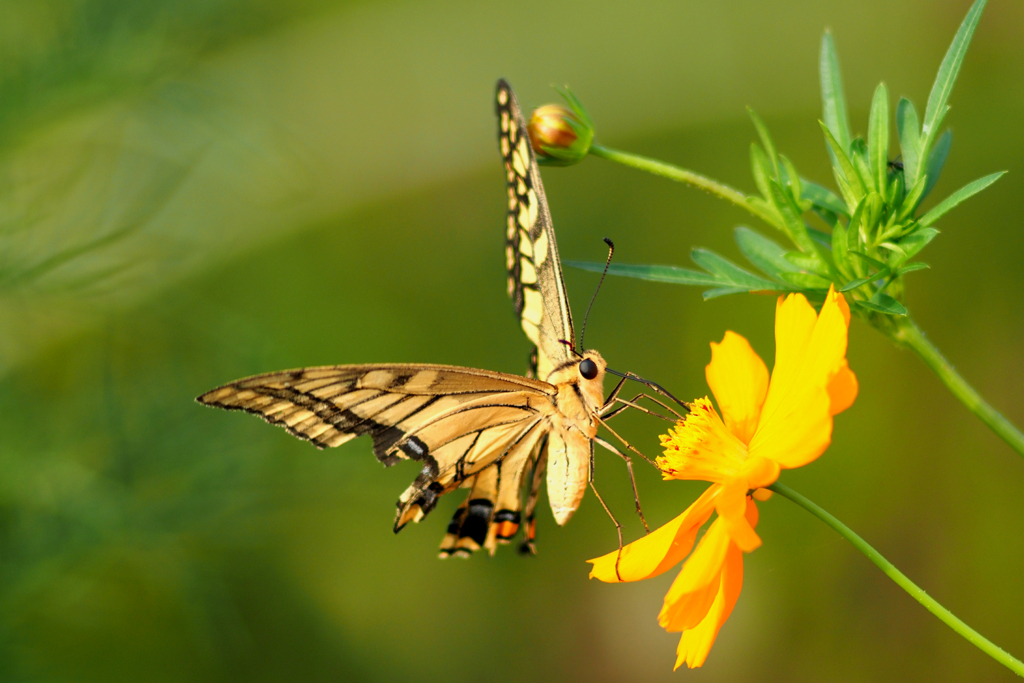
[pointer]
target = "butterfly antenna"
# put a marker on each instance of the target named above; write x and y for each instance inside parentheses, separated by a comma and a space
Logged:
(611, 252)
(568, 342)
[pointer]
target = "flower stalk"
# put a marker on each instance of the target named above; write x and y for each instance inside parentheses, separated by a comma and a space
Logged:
(901, 580)
(906, 333)
(677, 174)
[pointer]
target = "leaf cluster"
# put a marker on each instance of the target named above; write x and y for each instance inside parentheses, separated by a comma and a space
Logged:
(872, 226)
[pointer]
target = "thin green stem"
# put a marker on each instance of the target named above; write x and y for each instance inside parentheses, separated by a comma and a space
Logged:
(680, 175)
(908, 334)
(887, 567)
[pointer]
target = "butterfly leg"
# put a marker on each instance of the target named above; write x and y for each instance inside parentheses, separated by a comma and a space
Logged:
(610, 401)
(633, 403)
(626, 443)
(632, 479)
(618, 525)
(663, 405)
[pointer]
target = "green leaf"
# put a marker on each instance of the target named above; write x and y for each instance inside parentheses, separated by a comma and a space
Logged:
(825, 215)
(792, 178)
(948, 70)
(915, 242)
(911, 267)
(895, 248)
(912, 199)
(848, 174)
(761, 168)
(859, 157)
(936, 160)
(840, 245)
(804, 262)
(878, 137)
(968, 190)
(823, 197)
(854, 284)
(908, 128)
(766, 140)
(806, 280)
(897, 187)
(763, 253)
(844, 187)
(824, 239)
(795, 227)
(766, 211)
(832, 98)
(873, 206)
(875, 262)
(856, 224)
(728, 273)
(884, 303)
(722, 291)
(673, 274)
(576, 106)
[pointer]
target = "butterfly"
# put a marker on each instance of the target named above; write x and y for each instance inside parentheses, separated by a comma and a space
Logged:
(488, 432)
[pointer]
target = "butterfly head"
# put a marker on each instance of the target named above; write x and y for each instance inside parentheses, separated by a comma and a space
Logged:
(581, 379)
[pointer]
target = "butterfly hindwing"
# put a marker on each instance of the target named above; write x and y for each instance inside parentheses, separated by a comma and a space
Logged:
(491, 512)
(455, 421)
(531, 254)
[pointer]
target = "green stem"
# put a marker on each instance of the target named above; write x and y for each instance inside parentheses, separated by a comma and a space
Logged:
(909, 334)
(680, 175)
(930, 604)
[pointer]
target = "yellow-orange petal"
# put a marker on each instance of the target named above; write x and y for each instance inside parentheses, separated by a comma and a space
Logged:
(842, 389)
(696, 642)
(703, 566)
(794, 323)
(840, 301)
(759, 472)
(685, 610)
(796, 422)
(661, 549)
(739, 380)
(732, 505)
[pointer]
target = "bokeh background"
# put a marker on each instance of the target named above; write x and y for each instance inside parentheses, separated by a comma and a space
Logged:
(192, 191)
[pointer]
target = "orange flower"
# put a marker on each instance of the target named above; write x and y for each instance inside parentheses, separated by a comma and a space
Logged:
(765, 427)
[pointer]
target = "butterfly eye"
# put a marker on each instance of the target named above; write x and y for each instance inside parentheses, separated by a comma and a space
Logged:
(588, 368)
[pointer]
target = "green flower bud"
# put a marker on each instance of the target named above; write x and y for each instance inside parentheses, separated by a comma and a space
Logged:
(561, 135)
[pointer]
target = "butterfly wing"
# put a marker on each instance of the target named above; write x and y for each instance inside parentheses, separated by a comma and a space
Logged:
(534, 270)
(455, 421)
(490, 514)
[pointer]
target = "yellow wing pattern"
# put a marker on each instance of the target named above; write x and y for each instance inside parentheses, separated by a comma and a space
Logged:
(531, 253)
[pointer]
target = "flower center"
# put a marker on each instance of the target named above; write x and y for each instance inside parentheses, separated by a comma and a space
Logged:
(702, 447)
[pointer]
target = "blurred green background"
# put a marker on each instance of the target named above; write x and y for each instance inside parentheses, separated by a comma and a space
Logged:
(196, 190)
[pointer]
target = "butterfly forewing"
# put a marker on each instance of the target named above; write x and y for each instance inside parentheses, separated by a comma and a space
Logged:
(531, 253)
(456, 421)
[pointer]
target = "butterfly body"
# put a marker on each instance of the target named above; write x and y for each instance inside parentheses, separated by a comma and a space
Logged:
(467, 428)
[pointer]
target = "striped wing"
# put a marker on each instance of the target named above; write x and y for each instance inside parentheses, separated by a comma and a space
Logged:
(531, 253)
(456, 421)
(490, 514)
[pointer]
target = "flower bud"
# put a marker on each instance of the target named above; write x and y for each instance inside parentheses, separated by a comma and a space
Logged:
(561, 135)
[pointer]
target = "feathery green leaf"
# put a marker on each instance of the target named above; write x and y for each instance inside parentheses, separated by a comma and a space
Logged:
(832, 98)
(968, 190)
